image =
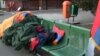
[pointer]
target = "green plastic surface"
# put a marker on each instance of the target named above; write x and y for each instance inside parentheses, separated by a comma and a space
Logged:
(74, 43)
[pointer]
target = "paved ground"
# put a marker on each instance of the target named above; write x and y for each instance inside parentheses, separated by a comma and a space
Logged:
(86, 19)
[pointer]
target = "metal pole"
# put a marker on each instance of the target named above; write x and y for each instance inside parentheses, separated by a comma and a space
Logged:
(68, 20)
(73, 19)
(40, 4)
(46, 3)
(59, 3)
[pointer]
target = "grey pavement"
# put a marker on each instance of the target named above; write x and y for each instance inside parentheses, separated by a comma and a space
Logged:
(5, 15)
(85, 17)
(9, 51)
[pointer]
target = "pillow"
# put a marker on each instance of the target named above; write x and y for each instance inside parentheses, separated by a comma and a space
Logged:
(60, 34)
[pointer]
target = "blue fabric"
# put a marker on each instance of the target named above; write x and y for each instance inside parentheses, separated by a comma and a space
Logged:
(58, 37)
(97, 37)
(24, 13)
(42, 39)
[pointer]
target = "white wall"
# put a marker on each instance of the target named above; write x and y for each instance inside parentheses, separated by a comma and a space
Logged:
(2, 4)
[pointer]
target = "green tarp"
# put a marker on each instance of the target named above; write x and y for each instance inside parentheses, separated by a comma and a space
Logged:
(19, 34)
